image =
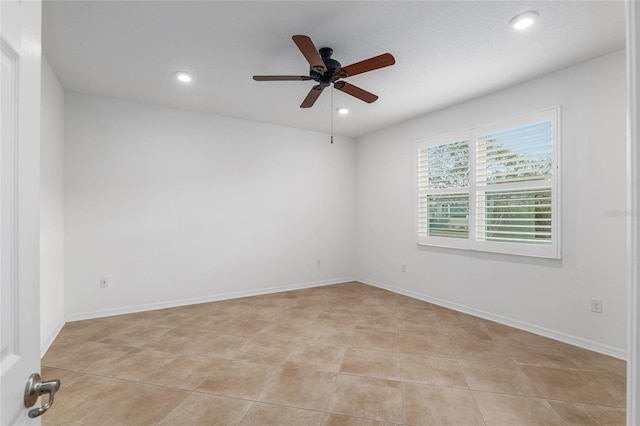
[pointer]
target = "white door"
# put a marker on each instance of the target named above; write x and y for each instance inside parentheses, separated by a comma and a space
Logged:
(19, 201)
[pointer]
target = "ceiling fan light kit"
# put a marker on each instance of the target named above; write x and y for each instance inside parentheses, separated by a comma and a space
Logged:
(325, 71)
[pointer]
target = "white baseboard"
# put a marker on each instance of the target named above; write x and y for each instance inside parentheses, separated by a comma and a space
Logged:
(552, 334)
(49, 340)
(205, 299)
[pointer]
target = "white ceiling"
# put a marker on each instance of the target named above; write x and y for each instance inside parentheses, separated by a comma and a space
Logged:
(446, 52)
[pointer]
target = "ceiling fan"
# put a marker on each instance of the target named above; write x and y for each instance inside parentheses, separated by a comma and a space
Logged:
(324, 70)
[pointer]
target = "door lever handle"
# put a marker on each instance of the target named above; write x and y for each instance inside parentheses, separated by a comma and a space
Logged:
(35, 388)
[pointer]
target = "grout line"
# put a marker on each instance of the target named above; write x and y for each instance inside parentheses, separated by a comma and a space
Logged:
(478, 407)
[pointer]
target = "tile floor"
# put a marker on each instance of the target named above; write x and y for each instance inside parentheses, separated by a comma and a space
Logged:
(347, 354)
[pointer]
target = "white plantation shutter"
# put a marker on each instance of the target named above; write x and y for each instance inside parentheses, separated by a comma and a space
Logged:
(515, 216)
(516, 186)
(495, 190)
(517, 155)
(443, 190)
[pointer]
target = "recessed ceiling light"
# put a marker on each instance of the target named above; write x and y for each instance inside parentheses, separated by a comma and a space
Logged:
(342, 110)
(184, 77)
(524, 20)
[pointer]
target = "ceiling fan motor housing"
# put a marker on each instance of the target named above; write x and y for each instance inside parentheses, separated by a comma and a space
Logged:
(330, 76)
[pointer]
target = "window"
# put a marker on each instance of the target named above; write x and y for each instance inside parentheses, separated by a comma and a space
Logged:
(492, 188)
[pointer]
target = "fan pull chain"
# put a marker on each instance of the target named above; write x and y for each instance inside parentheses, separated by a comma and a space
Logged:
(332, 114)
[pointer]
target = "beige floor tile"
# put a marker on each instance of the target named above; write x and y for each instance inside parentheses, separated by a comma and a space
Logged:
(380, 298)
(135, 404)
(589, 360)
(208, 321)
(46, 422)
(59, 352)
(172, 317)
(236, 379)
(134, 365)
(80, 394)
(137, 335)
(377, 309)
(266, 351)
(242, 327)
(589, 415)
(230, 306)
(266, 338)
(335, 420)
(300, 388)
(217, 345)
(513, 336)
(500, 410)
(432, 405)
(205, 409)
(336, 321)
(378, 364)
(431, 370)
(266, 312)
(411, 303)
(181, 372)
(384, 322)
(502, 377)
(137, 318)
(266, 414)
(424, 314)
(428, 327)
(92, 330)
(543, 356)
(587, 386)
(420, 344)
(295, 330)
(346, 354)
(341, 306)
(375, 340)
(198, 342)
(467, 331)
(445, 315)
(316, 357)
(297, 312)
(65, 376)
(364, 397)
(479, 350)
(323, 334)
(84, 356)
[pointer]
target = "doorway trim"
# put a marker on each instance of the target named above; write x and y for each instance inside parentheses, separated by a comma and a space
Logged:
(633, 212)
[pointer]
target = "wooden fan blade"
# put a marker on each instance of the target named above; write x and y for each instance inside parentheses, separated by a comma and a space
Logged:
(310, 52)
(355, 91)
(281, 77)
(313, 95)
(370, 64)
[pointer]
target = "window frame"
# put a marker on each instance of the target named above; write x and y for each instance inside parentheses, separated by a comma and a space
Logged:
(472, 242)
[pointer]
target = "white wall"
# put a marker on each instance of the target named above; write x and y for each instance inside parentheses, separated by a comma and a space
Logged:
(51, 207)
(175, 207)
(546, 296)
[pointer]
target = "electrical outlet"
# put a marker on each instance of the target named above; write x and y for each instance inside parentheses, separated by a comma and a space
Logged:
(403, 268)
(104, 283)
(596, 306)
